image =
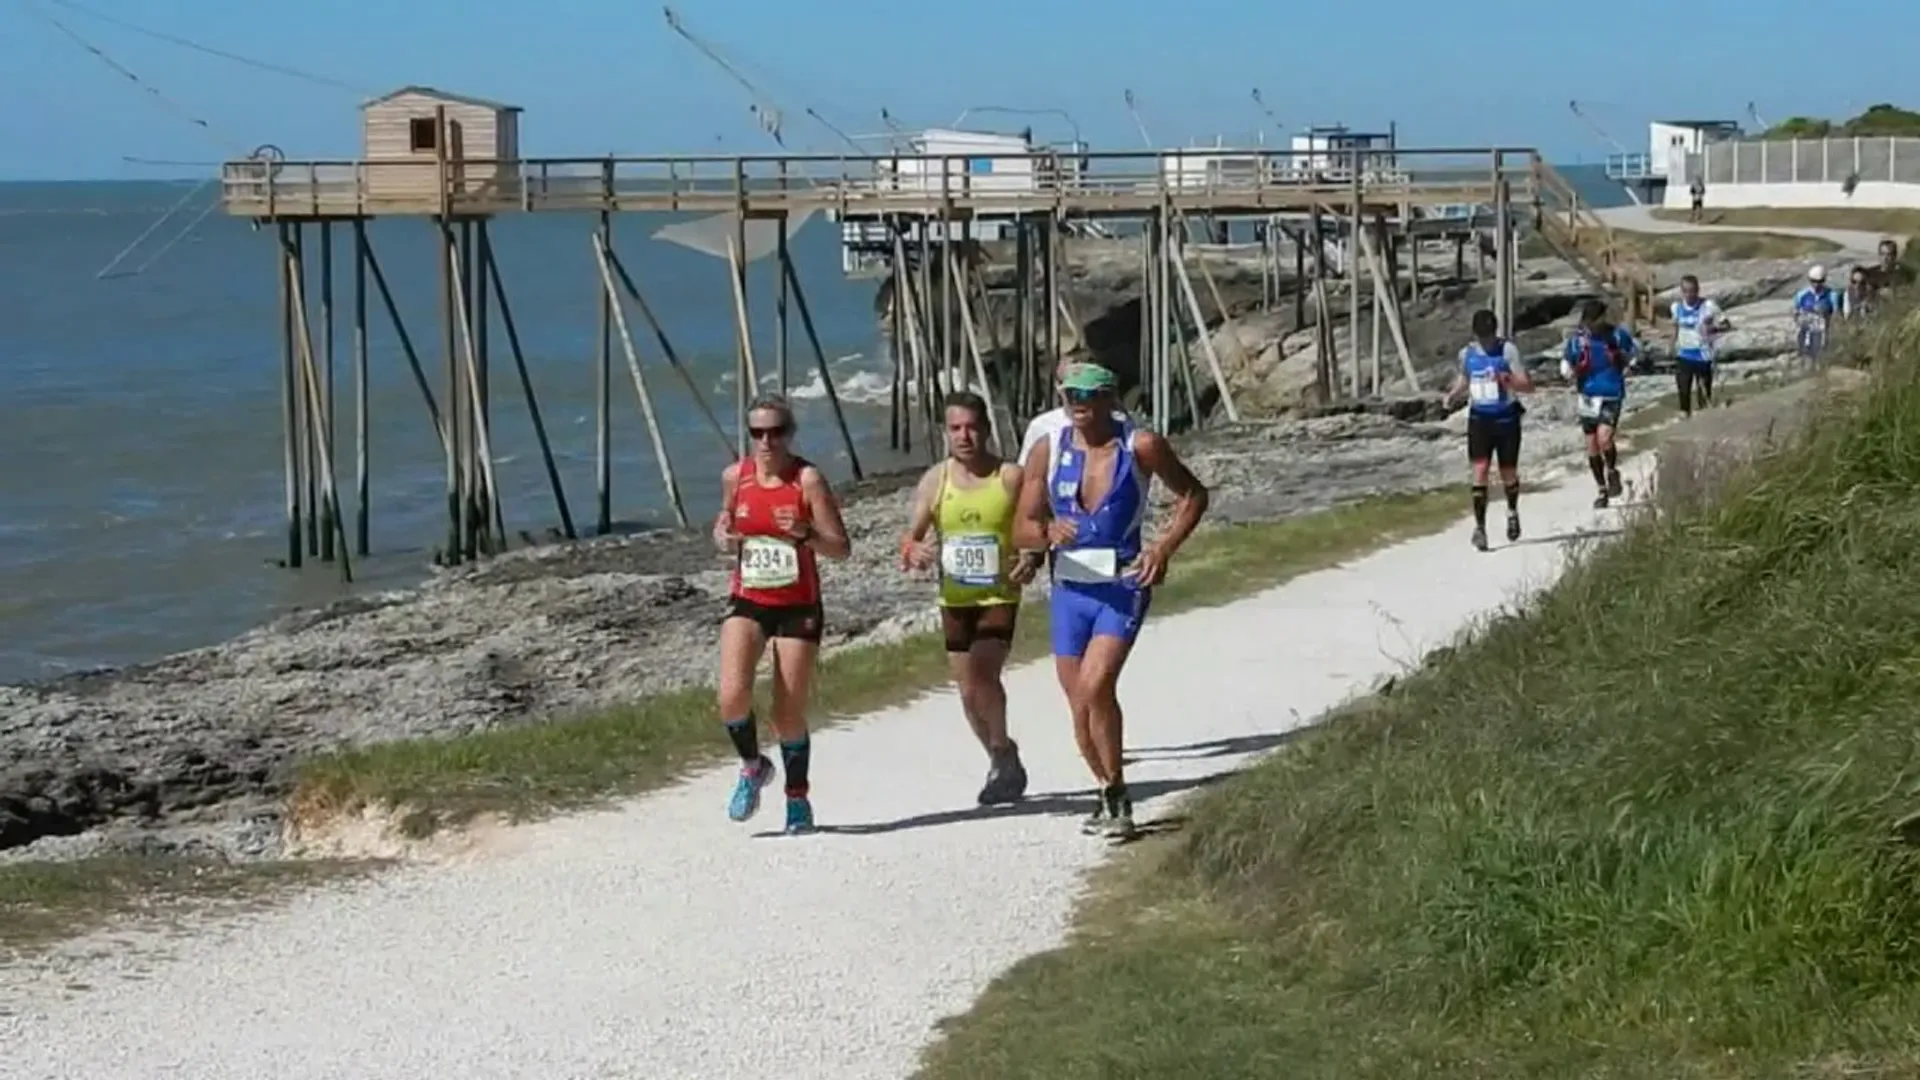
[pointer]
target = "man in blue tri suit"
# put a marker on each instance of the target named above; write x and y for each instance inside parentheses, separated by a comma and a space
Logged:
(1595, 362)
(1814, 307)
(1491, 371)
(1083, 501)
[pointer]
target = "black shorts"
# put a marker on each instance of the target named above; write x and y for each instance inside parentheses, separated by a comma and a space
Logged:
(962, 626)
(1609, 417)
(1491, 438)
(805, 622)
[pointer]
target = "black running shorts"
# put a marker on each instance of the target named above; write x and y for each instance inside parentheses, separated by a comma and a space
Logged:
(805, 622)
(1491, 438)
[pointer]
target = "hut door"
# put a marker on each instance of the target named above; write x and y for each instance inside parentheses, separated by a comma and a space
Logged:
(456, 155)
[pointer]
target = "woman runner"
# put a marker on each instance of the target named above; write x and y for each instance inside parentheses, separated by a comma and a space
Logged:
(968, 503)
(777, 515)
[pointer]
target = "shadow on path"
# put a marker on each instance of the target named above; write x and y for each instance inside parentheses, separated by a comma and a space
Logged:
(1062, 803)
(1572, 537)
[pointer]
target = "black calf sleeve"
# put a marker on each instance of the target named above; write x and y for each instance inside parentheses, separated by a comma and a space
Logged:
(1612, 456)
(1598, 464)
(1480, 505)
(745, 735)
(1513, 496)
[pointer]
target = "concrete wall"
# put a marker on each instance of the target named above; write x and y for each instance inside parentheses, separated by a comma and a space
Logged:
(1803, 173)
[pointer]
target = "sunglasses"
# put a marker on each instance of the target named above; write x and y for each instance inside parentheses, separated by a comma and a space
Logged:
(776, 432)
(1081, 397)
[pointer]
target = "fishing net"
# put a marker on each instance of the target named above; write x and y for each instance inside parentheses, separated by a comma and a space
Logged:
(715, 235)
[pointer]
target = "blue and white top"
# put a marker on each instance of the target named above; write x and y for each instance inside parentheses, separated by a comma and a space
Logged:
(1109, 538)
(1815, 301)
(1488, 394)
(1694, 329)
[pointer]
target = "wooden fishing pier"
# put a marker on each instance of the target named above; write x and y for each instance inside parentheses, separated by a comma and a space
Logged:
(455, 160)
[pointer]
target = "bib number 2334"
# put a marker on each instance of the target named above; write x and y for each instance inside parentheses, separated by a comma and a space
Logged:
(766, 563)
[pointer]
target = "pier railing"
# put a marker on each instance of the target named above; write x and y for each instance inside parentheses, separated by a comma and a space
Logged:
(1244, 181)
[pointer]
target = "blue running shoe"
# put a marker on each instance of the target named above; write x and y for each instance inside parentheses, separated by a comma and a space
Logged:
(799, 815)
(746, 792)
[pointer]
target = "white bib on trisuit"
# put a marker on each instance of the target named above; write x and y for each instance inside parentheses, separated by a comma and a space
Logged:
(1088, 566)
(1690, 338)
(1484, 389)
(971, 560)
(1591, 406)
(767, 562)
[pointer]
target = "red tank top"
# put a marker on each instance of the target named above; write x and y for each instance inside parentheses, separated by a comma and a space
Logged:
(772, 570)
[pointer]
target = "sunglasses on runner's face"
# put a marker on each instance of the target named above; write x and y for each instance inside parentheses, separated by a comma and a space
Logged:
(1081, 397)
(768, 433)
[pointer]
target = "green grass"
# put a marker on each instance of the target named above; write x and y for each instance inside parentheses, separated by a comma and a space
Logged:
(1898, 222)
(1663, 823)
(1659, 249)
(529, 771)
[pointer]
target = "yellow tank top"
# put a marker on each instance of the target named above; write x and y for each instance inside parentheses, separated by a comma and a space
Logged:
(975, 526)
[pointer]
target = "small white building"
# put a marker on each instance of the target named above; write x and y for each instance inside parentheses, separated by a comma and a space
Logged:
(1668, 144)
(956, 161)
(1328, 150)
(1202, 168)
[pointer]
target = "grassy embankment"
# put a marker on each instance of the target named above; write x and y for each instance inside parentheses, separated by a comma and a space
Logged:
(1663, 249)
(529, 771)
(1896, 222)
(1662, 824)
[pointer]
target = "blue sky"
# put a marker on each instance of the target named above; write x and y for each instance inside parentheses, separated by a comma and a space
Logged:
(598, 76)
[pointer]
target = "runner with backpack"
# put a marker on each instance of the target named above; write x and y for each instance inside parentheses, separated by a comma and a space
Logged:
(1595, 362)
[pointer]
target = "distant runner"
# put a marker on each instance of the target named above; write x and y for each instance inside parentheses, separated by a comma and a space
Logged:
(1084, 500)
(1890, 272)
(1595, 363)
(1490, 372)
(1696, 323)
(1860, 297)
(968, 502)
(1814, 307)
(777, 516)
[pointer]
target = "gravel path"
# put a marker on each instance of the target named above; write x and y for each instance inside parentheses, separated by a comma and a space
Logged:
(659, 940)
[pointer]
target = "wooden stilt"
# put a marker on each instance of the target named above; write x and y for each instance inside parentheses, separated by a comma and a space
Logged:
(290, 397)
(362, 476)
(310, 376)
(792, 278)
(491, 266)
(603, 263)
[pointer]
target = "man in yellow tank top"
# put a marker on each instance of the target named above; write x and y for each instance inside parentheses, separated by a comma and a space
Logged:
(962, 529)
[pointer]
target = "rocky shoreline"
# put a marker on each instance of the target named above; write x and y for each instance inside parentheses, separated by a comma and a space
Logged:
(194, 753)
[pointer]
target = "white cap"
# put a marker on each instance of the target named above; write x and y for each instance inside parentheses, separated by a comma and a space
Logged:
(1816, 272)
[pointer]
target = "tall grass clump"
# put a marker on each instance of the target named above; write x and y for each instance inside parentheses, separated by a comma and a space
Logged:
(1665, 815)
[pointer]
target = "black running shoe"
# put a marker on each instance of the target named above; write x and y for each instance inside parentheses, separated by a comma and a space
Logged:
(1006, 779)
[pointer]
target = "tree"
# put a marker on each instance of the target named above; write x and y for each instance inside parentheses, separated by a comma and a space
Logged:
(1879, 120)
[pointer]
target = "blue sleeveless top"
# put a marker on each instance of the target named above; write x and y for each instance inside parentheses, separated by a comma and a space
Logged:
(1603, 379)
(1110, 537)
(1487, 393)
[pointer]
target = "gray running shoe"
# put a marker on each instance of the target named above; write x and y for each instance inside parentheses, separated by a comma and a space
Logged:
(1006, 779)
(1096, 822)
(1118, 825)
